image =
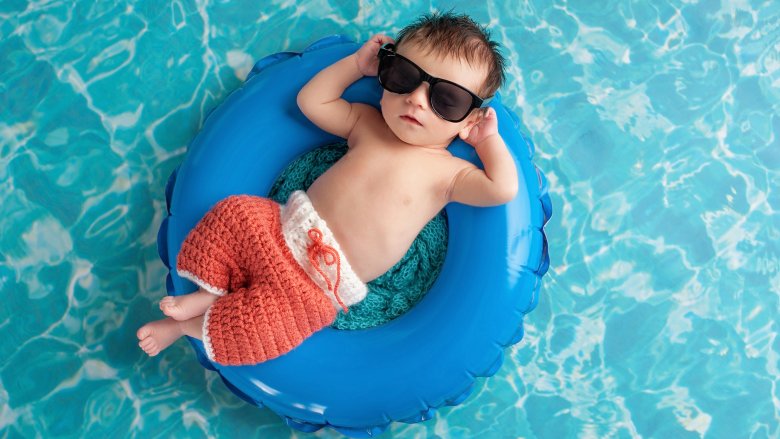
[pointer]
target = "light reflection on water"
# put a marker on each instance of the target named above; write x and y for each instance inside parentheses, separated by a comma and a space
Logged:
(656, 124)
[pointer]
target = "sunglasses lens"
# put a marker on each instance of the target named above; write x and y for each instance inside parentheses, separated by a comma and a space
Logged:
(398, 75)
(450, 101)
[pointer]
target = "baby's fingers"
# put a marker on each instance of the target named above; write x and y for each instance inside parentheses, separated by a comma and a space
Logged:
(381, 39)
(491, 118)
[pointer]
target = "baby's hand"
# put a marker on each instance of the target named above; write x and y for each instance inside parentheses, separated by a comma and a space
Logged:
(367, 60)
(486, 127)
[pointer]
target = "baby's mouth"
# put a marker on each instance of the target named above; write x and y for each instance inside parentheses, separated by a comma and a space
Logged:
(411, 119)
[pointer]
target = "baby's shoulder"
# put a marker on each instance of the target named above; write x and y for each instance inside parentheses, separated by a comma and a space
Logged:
(366, 113)
(369, 121)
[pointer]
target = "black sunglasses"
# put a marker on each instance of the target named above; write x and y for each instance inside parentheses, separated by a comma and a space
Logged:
(448, 100)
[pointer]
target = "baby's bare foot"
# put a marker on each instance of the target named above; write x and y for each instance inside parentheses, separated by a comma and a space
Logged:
(155, 336)
(187, 306)
(172, 307)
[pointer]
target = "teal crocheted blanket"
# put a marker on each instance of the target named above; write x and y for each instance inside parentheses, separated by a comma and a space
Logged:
(396, 291)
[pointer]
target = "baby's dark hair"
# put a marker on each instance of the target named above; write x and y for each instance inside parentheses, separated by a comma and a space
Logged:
(458, 36)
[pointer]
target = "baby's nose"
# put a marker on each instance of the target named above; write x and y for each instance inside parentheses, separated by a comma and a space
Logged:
(419, 96)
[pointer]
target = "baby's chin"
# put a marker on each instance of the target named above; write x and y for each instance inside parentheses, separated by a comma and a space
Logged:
(422, 137)
(407, 138)
(416, 140)
(400, 134)
(411, 138)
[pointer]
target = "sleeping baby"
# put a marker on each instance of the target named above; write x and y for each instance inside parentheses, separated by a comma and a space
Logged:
(270, 275)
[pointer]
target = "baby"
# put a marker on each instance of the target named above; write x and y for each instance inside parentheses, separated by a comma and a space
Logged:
(271, 275)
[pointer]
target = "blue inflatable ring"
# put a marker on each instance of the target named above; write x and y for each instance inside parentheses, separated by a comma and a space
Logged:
(358, 382)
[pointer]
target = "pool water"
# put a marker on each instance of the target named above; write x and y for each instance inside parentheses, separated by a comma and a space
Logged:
(656, 123)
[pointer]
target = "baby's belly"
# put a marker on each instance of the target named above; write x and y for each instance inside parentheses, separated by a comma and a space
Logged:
(374, 213)
(372, 239)
(371, 249)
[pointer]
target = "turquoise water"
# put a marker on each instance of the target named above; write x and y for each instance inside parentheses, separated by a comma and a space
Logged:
(656, 124)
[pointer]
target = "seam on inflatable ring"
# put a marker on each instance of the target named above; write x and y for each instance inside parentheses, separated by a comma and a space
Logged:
(201, 283)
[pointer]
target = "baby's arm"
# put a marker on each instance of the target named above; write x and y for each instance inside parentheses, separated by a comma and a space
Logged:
(497, 184)
(320, 99)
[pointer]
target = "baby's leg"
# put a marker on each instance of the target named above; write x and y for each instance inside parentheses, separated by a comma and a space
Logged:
(187, 306)
(155, 336)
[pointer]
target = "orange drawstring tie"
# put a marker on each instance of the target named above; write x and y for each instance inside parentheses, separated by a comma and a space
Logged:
(330, 256)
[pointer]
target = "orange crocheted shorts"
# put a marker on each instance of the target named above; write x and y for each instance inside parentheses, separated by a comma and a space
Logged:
(267, 303)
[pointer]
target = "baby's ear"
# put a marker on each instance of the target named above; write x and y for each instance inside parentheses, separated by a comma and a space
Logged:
(474, 118)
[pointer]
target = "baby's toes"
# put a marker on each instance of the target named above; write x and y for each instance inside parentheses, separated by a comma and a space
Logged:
(170, 308)
(166, 302)
(151, 349)
(143, 332)
(147, 344)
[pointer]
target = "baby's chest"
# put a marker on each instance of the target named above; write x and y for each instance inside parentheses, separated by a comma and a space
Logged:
(409, 180)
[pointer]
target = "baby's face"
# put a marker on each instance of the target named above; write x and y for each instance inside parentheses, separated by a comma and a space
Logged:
(410, 116)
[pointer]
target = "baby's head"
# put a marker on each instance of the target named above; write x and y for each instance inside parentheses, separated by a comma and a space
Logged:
(445, 46)
(457, 37)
